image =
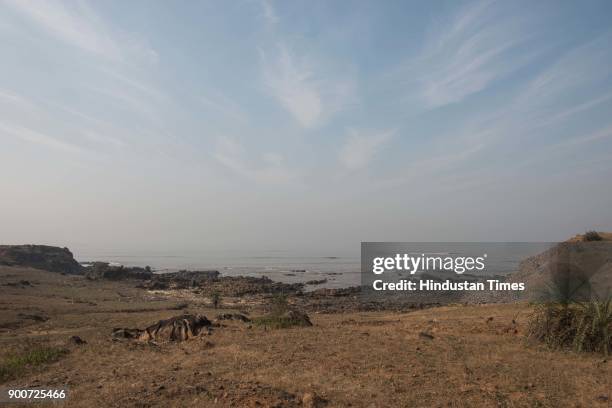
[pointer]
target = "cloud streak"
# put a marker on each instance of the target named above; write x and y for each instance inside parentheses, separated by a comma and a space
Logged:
(77, 24)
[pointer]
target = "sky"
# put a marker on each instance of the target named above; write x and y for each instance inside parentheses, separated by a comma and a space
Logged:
(303, 126)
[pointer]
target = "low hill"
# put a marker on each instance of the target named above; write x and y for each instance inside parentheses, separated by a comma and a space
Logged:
(564, 266)
(49, 258)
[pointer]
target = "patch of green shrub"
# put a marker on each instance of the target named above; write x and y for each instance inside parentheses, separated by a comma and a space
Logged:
(582, 326)
(14, 365)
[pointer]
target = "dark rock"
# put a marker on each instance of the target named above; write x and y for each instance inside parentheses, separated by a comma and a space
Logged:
(316, 282)
(44, 257)
(77, 340)
(426, 335)
(35, 317)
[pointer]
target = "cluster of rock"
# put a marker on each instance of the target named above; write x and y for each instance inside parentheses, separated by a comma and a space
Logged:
(210, 282)
(249, 285)
(103, 270)
(45, 257)
(179, 280)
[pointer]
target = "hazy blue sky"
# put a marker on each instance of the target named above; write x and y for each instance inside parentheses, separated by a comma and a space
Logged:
(263, 124)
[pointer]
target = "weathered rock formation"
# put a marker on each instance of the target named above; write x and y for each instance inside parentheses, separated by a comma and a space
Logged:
(177, 328)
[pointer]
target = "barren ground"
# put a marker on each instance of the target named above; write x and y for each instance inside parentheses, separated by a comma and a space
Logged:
(477, 356)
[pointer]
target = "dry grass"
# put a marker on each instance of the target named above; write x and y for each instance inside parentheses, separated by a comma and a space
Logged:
(477, 356)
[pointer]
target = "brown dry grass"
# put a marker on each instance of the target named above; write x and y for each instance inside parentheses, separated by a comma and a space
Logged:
(376, 359)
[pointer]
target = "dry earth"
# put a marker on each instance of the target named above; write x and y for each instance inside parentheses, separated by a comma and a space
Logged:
(452, 356)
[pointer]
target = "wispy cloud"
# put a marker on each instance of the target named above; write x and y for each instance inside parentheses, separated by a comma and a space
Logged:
(360, 148)
(303, 88)
(232, 154)
(35, 137)
(582, 65)
(294, 88)
(84, 128)
(77, 24)
(479, 46)
(575, 110)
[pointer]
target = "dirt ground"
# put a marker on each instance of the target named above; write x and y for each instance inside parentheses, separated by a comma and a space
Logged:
(452, 356)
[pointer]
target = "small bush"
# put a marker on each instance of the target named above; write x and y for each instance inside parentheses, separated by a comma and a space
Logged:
(582, 326)
(592, 236)
(13, 365)
(216, 299)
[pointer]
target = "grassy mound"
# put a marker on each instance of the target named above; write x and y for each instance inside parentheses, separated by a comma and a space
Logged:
(582, 326)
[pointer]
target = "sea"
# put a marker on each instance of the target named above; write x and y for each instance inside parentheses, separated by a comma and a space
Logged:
(337, 270)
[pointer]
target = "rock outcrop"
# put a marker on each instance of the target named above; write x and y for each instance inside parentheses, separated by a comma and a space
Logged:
(44, 257)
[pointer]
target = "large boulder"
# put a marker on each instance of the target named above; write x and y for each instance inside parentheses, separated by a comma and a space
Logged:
(49, 258)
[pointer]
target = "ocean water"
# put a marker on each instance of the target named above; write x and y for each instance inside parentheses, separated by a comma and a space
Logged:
(282, 266)
(340, 270)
